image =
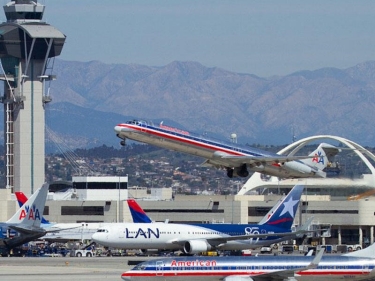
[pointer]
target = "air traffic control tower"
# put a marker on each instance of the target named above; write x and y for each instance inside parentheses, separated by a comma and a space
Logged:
(27, 48)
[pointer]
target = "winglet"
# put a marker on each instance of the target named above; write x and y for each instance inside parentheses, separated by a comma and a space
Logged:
(30, 214)
(284, 214)
(138, 214)
(315, 262)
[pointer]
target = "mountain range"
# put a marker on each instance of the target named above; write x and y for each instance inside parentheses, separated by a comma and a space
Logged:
(90, 98)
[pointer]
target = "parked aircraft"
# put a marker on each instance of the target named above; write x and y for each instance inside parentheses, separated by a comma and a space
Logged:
(357, 265)
(236, 159)
(195, 238)
(26, 221)
(63, 232)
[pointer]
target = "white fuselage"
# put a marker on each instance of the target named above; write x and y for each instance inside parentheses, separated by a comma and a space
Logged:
(183, 141)
(172, 236)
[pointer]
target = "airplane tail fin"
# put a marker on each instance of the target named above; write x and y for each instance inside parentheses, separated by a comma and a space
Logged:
(21, 198)
(368, 252)
(322, 156)
(29, 216)
(284, 214)
(138, 215)
(270, 212)
(304, 227)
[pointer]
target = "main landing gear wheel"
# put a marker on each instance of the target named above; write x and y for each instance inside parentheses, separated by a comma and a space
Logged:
(230, 172)
(123, 143)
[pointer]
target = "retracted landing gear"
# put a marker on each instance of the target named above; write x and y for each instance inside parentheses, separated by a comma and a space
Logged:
(238, 171)
(242, 171)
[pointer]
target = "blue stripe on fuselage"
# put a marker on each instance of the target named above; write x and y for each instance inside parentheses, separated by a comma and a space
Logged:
(240, 229)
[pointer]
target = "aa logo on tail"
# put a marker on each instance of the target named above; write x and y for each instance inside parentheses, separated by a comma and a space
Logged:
(29, 213)
(318, 158)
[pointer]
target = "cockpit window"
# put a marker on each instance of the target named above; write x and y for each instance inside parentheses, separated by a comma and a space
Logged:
(102, 230)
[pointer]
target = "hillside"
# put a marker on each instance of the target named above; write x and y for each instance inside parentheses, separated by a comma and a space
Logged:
(89, 98)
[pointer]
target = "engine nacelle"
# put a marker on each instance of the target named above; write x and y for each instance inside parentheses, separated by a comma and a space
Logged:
(149, 251)
(196, 246)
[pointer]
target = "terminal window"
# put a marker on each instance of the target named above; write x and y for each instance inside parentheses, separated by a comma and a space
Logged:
(82, 211)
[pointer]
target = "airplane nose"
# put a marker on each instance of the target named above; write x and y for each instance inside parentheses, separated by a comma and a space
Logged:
(96, 237)
(117, 129)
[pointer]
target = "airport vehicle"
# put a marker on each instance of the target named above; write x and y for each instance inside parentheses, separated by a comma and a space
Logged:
(83, 253)
(196, 238)
(236, 159)
(357, 265)
(26, 221)
(266, 250)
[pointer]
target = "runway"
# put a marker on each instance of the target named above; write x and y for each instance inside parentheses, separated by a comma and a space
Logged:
(64, 268)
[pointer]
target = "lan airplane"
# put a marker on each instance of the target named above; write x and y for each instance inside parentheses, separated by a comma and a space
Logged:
(357, 265)
(26, 221)
(234, 158)
(195, 238)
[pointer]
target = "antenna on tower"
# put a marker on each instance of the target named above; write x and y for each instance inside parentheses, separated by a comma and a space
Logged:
(294, 138)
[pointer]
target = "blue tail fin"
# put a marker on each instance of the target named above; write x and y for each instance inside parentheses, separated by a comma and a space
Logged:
(283, 216)
(139, 216)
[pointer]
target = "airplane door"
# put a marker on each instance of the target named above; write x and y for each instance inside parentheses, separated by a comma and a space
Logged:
(159, 268)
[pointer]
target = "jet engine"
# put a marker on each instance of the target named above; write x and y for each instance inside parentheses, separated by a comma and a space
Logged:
(149, 251)
(196, 246)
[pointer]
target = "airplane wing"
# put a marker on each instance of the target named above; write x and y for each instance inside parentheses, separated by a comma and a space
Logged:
(28, 230)
(264, 159)
(223, 159)
(215, 241)
(289, 274)
(54, 229)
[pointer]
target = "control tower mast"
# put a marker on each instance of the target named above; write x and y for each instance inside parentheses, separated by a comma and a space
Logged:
(26, 46)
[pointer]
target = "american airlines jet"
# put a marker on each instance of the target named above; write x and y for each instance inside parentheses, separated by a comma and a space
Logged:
(64, 232)
(195, 238)
(26, 221)
(236, 159)
(357, 265)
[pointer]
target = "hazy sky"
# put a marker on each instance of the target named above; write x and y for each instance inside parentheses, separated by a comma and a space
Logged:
(264, 38)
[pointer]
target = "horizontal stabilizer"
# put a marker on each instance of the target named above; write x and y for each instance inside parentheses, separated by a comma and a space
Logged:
(28, 230)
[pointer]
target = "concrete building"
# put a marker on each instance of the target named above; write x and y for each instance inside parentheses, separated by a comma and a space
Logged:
(26, 46)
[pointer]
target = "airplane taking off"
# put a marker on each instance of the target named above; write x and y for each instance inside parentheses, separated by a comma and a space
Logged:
(26, 221)
(236, 159)
(196, 238)
(357, 265)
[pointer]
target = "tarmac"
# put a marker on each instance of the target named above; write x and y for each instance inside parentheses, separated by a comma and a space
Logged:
(65, 268)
